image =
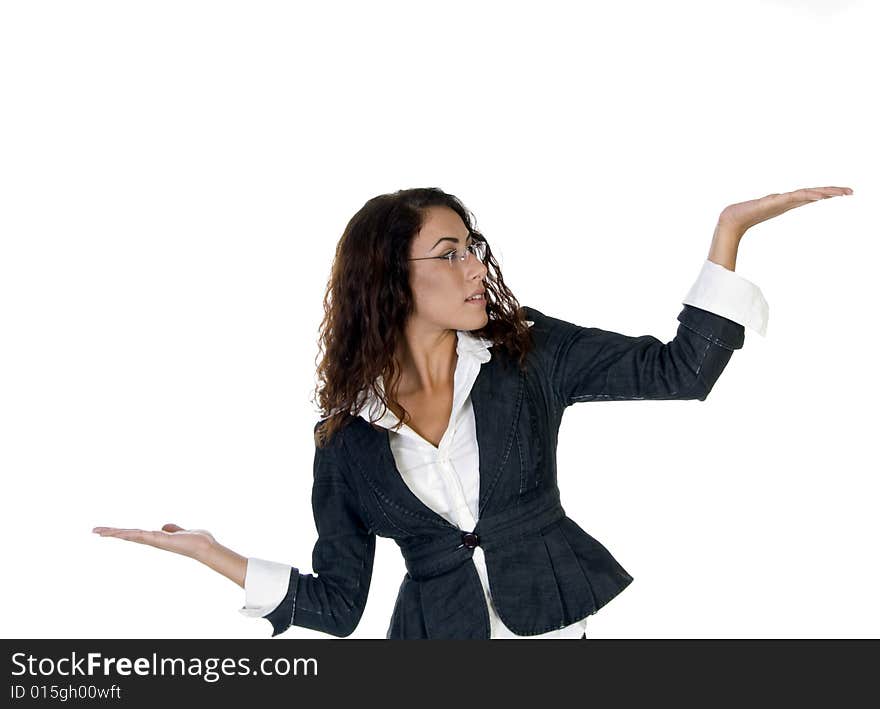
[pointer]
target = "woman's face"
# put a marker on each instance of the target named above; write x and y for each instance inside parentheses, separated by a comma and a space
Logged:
(440, 289)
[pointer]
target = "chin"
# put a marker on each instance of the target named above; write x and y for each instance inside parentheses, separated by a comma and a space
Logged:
(482, 318)
(472, 321)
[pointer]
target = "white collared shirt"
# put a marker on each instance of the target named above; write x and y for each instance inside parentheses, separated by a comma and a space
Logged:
(447, 477)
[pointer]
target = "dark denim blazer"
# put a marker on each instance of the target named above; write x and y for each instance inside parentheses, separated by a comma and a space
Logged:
(545, 572)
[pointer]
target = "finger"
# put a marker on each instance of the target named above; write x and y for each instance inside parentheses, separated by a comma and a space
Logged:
(794, 198)
(121, 533)
(810, 195)
(118, 529)
(814, 193)
(802, 196)
(141, 536)
(170, 527)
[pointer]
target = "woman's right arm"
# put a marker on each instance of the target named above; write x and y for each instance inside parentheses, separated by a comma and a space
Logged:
(330, 600)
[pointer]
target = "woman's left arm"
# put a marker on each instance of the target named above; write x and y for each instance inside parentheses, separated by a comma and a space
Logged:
(590, 364)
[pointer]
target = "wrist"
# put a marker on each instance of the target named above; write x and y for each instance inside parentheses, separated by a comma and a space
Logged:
(224, 561)
(725, 244)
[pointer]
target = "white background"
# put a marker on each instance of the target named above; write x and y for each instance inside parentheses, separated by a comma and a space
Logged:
(175, 176)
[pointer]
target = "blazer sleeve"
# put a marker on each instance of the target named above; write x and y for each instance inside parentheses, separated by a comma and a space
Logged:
(592, 364)
(333, 598)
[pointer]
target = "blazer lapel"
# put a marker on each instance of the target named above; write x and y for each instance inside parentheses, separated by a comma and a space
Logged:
(369, 449)
(496, 398)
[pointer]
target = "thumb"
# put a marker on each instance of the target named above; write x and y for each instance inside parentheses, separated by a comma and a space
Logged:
(171, 528)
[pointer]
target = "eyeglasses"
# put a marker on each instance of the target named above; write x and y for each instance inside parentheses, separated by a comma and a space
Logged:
(477, 247)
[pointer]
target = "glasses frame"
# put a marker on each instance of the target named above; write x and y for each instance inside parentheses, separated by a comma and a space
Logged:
(452, 255)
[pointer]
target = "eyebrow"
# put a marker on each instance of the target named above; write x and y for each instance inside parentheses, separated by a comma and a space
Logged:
(446, 238)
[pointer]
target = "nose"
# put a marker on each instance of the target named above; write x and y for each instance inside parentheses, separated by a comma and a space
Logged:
(475, 267)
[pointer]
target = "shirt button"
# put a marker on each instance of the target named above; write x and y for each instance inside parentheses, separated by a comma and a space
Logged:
(470, 540)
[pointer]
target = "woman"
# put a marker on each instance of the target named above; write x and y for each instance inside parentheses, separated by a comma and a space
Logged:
(456, 462)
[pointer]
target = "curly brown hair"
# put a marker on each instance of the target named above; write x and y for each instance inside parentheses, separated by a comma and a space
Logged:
(368, 301)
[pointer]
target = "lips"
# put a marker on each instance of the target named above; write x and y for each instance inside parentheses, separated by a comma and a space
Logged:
(479, 296)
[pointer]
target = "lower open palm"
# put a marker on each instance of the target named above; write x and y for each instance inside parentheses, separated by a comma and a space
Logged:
(171, 537)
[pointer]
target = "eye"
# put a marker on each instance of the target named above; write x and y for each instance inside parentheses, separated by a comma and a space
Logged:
(449, 254)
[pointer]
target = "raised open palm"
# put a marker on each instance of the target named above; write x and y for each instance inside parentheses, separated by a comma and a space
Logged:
(744, 215)
(188, 542)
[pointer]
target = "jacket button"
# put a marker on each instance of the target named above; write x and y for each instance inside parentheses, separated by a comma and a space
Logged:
(469, 539)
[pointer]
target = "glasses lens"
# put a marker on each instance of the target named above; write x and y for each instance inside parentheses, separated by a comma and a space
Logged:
(478, 249)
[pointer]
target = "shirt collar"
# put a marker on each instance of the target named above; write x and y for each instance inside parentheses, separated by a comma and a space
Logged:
(475, 345)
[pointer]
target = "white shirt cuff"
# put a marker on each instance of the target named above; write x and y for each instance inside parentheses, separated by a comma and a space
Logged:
(265, 586)
(723, 292)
